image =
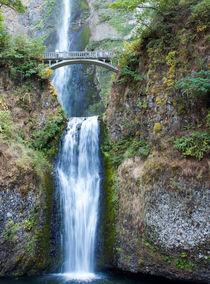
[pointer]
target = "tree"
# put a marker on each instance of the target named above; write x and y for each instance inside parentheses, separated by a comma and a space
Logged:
(13, 4)
(145, 10)
(131, 5)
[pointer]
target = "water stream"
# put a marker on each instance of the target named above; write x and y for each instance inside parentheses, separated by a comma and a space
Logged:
(79, 182)
(61, 75)
(77, 173)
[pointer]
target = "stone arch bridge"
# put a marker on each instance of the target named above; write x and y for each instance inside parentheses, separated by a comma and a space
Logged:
(104, 59)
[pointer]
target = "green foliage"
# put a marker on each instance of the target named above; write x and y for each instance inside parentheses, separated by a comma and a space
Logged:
(183, 262)
(31, 222)
(148, 9)
(201, 11)
(20, 55)
(4, 35)
(195, 145)
(13, 4)
(133, 4)
(116, 151)
(45, 73)
(40, 140)
(48, 7)
(158, 5)
(6, 125)
(126, 147)
(157, 127)
(31, 154)
(9, 233)
(128, 60)
(149, 245)
(138, 148)
(117, 20)
(7, 128)
(126, 70)
(195, 86)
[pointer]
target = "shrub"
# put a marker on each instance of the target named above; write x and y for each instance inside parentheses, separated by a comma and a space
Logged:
(137, 148)
(195, 145)
(6, 125)
(200, 12)
(45, 73)
(195, 86)
(126, 147)
(20, 55)
(40, 139)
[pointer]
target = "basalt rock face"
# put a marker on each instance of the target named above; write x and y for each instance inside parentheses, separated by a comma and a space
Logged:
(161, 209)
(108, 30)
(40, 20)
(28, 113)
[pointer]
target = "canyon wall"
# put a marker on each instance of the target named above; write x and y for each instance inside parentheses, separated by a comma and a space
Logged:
(31, 123)
(153, 154)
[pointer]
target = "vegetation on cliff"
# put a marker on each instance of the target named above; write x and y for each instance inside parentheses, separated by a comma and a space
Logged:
(31, 123)
(158, 118)
(171, 48)
(16, 5)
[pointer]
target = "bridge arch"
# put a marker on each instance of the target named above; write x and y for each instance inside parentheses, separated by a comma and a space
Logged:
(84, 61)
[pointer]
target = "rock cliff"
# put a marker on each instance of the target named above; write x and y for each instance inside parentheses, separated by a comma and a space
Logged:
(156, 151)
(31, 122)
(40, 20)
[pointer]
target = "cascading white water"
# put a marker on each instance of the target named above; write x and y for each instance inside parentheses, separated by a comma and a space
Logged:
(61, 75)
(77, 173)
(79, 181)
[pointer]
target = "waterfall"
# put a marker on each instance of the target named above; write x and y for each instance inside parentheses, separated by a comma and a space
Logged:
(77, 173)
(79, 182)
(61, 75)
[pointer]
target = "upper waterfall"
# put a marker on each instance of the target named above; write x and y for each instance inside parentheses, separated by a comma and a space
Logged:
(60, 78)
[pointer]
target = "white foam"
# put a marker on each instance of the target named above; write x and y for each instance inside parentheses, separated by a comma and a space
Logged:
(85, 277)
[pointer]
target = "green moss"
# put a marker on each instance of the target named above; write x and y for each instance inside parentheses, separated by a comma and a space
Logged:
(158, 101)
(84, 38)
(109, 204)
(157, 127)
(10, 233)
(38, 233)
(43, 258)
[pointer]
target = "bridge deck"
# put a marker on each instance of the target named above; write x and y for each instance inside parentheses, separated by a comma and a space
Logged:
(100, 55)
(100, 58)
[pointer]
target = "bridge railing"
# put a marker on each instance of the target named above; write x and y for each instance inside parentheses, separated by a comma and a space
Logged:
(79, 54)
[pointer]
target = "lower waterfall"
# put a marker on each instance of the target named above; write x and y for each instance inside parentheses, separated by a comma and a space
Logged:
(79, 184)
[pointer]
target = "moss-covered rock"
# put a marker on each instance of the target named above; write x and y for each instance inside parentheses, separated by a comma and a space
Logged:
(108, 207)
(31, 124)
(161, 221)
